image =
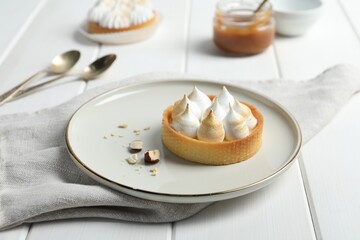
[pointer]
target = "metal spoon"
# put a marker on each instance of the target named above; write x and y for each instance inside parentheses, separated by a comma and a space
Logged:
(94, 70)
(260, 6)
(59, 65)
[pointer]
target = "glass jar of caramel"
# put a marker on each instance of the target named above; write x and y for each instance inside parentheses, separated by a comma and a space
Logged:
(239, 29)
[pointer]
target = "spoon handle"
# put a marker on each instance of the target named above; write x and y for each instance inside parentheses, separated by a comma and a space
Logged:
(40, 85)
(7, 96)
(260, 6)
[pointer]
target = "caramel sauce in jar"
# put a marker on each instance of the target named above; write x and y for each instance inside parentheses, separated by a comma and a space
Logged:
(238, 30)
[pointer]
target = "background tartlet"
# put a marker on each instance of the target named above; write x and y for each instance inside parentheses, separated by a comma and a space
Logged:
(94, 27)
(112, 16)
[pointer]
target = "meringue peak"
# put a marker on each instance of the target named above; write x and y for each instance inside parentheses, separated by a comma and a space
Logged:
(211, 129)
(235, 126)
(181, 105)
(234, 116)
(225, 97)
(219, 110)
(200, 98)
(245, 111)
(242, 108)
(186, 123)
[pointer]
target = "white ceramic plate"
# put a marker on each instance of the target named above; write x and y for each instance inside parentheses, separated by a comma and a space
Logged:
(178, 180)
(125, 37)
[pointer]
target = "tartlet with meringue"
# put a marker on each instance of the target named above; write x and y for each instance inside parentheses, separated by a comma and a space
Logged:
(212, 130)
(112, 16)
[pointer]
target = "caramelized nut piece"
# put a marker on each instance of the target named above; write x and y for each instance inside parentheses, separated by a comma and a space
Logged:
(152, 156)
(124, 125)
(136, 145)
(154, 171)
(133, 158)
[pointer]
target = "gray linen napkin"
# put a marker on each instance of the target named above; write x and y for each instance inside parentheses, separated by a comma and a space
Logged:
(39, 181)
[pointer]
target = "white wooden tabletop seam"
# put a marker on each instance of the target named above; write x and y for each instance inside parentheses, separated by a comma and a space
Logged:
(349, 19)
(22, 30)
(309, 199)
(29, 230)
(187, 37)
(278, 66)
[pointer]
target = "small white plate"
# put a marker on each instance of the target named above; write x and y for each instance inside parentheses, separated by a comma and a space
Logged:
(96, 146)
(125, 37)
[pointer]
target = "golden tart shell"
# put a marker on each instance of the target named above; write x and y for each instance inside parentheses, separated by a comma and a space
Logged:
(94, 27)
(211, 153)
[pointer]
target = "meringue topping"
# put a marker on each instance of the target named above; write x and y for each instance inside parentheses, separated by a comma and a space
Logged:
(141, 14)
(235, 126)
(245, 111)
(225, 98)
(200, 98)
(219, 111)
(217, 122)
(116, 18)
(211, 129)
(100, 9)
(181, 105)
(121, 13)
(186, 123)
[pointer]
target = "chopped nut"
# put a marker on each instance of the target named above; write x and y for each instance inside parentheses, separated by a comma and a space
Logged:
(136, 145)
(147, 128)
(154, 171)
(152, 156)
(121, 136)
(112, 135)
(124, 125)
(132, 159)
(137, 131)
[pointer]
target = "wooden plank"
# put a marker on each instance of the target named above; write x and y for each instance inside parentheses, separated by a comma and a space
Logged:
(15, 16)
(98, 229)
(49, 34)
(332, 166)
(275, 212)
(265, 214)
(165, 51)
(25, 12)
(205, 59)
(160, 53)
(330, 159)
(331, 41)
(35, 32)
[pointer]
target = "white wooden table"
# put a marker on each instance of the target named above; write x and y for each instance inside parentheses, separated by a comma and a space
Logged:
(317, 198)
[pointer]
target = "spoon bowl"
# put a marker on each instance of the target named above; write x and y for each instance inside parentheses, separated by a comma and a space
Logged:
(99, 66)
(64, 62)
